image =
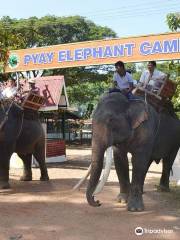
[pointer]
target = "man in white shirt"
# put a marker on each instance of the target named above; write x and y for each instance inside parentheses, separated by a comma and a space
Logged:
(152, 78)
(122, 79)
(11, 90)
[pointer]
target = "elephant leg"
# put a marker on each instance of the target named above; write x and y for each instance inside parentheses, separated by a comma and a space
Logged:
(164, 181)
(27, 173)
(4, 173)
(5, 155)
(148, 166)
(140, 163)
(122, 170)
(167, 166)
(39, 154)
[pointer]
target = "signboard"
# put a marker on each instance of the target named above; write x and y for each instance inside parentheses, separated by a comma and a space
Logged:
(134, 49)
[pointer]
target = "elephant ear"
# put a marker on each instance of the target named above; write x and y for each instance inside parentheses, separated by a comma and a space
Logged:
(137, 113)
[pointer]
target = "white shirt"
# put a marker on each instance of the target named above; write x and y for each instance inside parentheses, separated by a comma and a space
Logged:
(9, 92)
(151, 80)
(123, 82)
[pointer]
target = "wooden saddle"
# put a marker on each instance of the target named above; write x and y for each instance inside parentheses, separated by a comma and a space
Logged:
(33, 101)
(158, 98)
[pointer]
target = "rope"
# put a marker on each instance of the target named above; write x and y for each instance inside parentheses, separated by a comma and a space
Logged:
(6, 114)
(22, 121)
(3, 122)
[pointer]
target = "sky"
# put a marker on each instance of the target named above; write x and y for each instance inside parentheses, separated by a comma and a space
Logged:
(126, 18)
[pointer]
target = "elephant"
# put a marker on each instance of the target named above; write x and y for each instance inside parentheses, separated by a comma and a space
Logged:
(132, 126)
(23, 136)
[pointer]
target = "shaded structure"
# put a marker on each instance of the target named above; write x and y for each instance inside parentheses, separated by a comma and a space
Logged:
(54, 114)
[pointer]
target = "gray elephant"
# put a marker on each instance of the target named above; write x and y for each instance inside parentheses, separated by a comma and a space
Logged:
(135, 127)
(23, 136)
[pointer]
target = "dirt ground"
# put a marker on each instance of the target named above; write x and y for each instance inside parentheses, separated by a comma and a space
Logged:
(52, 211)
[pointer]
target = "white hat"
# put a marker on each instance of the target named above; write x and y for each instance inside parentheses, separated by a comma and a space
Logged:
(31, 80)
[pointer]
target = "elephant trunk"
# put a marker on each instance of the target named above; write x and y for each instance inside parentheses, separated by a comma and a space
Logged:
(96, 169)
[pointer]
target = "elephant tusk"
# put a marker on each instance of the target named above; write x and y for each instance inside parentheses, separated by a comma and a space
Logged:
(104, 178)
(107, 169)
(83, 179)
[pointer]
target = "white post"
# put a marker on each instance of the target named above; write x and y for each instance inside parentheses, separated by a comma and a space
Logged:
(17, 82)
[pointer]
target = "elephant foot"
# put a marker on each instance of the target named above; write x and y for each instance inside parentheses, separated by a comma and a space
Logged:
(92, 202)
(44, 178)
(122, 198)
(163, 188)
(26, 178)
(135, 202)
(135, 206)
(4, 185)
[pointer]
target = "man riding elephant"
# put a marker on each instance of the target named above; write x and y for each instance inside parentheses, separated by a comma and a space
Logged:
(156, 87)
(23, 136)
(136, 127)
(152, 78)
(122, 80)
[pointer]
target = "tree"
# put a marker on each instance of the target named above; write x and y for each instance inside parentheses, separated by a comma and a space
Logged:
(8, 40)
(84, 94)
(173, 21)
(51, 30)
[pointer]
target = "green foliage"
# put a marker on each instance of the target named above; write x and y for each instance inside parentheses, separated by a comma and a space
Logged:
(131, 67)
(168, 67)
(86, 92)
(85, 95)
(133, 70)
(8, 40)
(173, 21)
(51, 30)
(136, 75)
(176, 98)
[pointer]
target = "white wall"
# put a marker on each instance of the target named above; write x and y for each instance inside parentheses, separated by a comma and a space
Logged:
(176, 169)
